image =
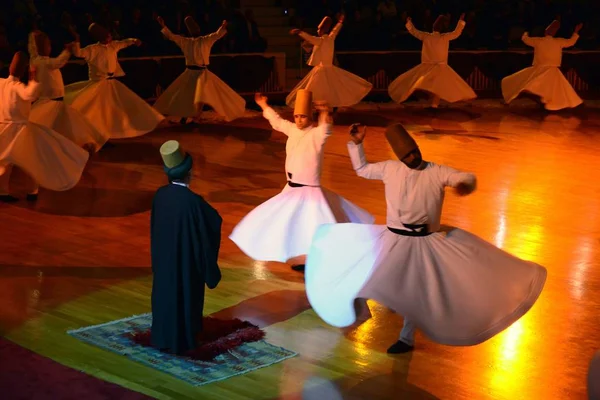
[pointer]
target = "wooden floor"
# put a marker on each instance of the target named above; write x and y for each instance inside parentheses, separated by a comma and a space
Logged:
(82, 257)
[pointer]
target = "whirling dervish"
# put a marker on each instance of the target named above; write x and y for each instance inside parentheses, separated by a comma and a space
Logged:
(328, 83)
(544, 78)
(49, 159)
(281, 228)
(457, 288)
(197, 86)
(114, 109)
(50, 110)
(433, 76)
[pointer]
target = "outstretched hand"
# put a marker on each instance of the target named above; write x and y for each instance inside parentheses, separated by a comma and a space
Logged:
(462, 17)
(324, 112)
(261, 100)
(295, 31)
(578, 28)
(464, 189)
(160, 21)
(356, 134)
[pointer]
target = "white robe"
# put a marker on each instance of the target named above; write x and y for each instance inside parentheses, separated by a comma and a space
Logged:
(339, 88)
(57, 115)
(544, 78)
(433, 75)
(282, 228)
(114, 109)
(53, 161)
(197, 87)
(457, 288)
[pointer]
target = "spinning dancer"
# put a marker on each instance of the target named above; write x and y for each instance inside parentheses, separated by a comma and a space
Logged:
(50, 110)
(115, 110)
(185, 236)
(459, 289)
(197, 86)
(281, 228)
(433, 75)
(51, 160)
(544, 79)
(328, 83)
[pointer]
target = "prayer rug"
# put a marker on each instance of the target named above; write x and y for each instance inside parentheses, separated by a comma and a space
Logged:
(226, 348)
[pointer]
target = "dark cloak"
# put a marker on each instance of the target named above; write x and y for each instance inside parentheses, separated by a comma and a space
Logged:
(185, 237)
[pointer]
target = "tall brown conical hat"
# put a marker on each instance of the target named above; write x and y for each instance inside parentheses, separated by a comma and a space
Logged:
(325, 24)
(18, 65)
(440, 23)
(98, 32)
(303, 103)
(400, 140)
(192, 27)
(553, 28)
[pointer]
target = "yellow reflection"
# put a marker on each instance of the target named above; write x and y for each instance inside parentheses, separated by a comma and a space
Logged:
(510, 344)
(260, 271)
(579, 270)
(363, 334)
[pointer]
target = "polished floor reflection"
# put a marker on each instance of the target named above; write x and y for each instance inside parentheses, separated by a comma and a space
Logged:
(82, 257)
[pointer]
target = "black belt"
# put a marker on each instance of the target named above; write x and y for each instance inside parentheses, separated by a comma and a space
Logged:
(196, 67)
(58, 98)
(414, 230)
(294, 184)
(110, 75)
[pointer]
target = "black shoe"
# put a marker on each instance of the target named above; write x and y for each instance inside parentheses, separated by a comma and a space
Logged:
(400, 347)
(299, 267)
(7, 198)
(32, 197)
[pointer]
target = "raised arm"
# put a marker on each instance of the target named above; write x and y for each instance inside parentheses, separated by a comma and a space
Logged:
(325, 122)
(460, 26)
(177, 39)
(573, 39)
(414, 31)
(222, 31)
(464, 182)
(363, 168)
(85, 53)
(51, 63)
(314, 40)
(529, 41)
(121, 44)
(277, 123)
(336, 29)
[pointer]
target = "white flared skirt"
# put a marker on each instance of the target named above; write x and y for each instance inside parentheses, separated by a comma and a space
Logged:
(112, 108)
(282, 228)
(53, 161)
(197, 87)
(438, 79)
(555, 92)
(457, 288)
(64, 119)
(339, 88)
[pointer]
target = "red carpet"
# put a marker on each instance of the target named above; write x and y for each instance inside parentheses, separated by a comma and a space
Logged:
(217, 337)
(27, 375)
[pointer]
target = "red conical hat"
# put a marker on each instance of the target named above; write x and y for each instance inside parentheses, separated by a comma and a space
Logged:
(192, 27)
(325, 24)
(400, 140)
(440, 23)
